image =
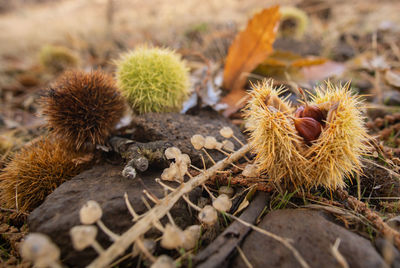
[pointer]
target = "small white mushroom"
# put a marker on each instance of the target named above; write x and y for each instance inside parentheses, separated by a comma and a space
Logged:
(90, 212)
(250, 171)
(229, 191)
(222, 203)
(208, 215)
(210, 142)
(183, 168)
(228, 146)
(173, 173)
(197, 141)
(163, 261)
(192, 235)
(183, 158)
(219, 146)
(39, 249)
(169, 174)
(149, 244)
(226, 132)
(173, 237)
(83, 236)
(172, 153)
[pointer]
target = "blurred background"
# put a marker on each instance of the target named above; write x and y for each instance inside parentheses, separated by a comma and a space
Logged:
(95, 26)
(39, 39)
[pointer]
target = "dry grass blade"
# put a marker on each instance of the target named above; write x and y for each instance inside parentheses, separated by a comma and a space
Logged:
(244, 258)
(338, 256)
(160, 210)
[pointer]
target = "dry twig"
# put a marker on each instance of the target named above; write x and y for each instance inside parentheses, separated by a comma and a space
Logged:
(160, 210)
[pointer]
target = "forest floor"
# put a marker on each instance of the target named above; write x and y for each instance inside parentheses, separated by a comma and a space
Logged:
(356, 41)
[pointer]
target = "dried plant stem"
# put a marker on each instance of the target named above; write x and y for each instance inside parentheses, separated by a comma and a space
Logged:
(244, 258)
(373, 217)
(160, 210)
(338, 256)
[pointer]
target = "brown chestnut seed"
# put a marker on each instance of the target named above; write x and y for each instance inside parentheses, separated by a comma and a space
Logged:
(315, 112)
(308, 128)
(312, 111)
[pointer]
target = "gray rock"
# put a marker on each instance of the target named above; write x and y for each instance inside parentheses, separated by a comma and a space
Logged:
(178, 129)
(388, 251)
(394, 223)
(391, 97)
(104, 184)
(313, 236)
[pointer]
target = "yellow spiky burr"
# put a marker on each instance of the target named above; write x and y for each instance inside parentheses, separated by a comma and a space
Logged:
(280, 135)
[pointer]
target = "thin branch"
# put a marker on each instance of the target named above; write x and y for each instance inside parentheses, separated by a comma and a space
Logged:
(160, 210)
(244, 258)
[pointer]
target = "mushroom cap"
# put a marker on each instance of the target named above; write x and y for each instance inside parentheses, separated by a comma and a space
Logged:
(90, 212)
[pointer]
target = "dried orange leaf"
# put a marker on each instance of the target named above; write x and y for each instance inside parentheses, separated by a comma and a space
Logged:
(281, 63)
(309, 61)
(250, 47)
(235, 100)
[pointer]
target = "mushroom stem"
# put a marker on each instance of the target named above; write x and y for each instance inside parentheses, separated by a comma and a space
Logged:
(237, 139)
(209, 156)
(190, 203)
(164, 185)
(130, 208)
(96, 246)
(113, 236)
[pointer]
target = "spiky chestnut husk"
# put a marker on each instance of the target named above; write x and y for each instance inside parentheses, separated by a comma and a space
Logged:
(153, 80)
(83, 108)
(281, 151)
(57, 58)
(294, 22)
(35, 171)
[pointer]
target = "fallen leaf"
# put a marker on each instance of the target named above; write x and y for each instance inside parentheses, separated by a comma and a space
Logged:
(246, 201)
(235, 100)
(250, 47)
(393, 78)
(323, 71)
(309, 61)
(280, 63)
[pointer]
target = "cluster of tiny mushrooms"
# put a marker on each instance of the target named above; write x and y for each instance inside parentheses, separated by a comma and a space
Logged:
(39, 249)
